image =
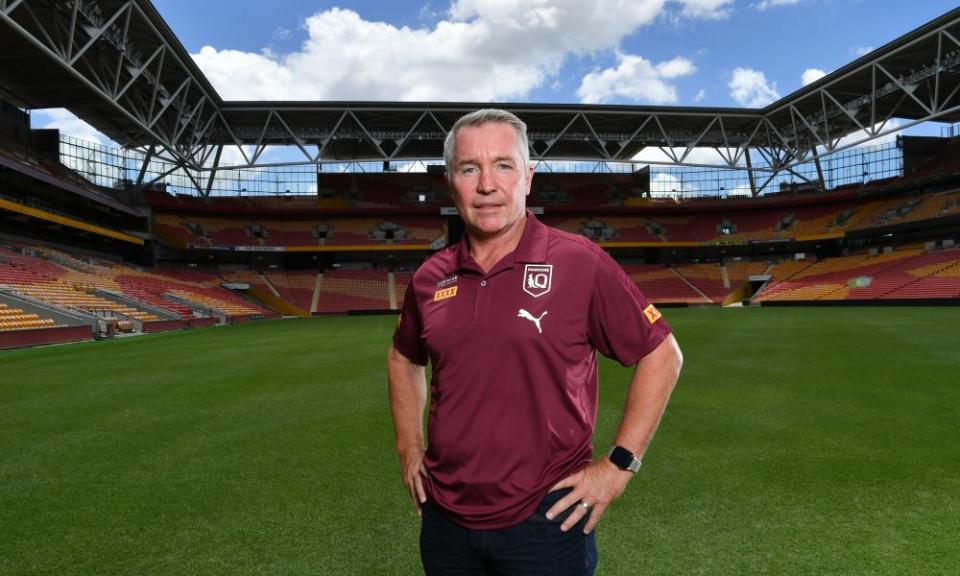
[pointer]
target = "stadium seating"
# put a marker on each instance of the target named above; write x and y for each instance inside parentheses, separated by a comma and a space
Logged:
(346, 290)
(401, 280)
(71, 284)
(662, 285)
(707, 278)
(16, 319)
(295, 287)
(904, 274)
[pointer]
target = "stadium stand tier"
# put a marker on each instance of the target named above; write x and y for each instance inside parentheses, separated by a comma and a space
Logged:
(109, 290)
(907, 274)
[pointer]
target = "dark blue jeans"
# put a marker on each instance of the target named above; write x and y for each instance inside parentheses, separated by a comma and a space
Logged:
(535, 547)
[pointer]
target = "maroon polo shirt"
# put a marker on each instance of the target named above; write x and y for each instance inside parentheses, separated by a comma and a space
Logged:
(514, 379)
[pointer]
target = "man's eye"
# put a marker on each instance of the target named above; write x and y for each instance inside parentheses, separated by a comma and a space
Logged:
(505, 166)
(468, 170)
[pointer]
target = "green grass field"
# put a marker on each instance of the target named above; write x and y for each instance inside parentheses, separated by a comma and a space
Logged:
(798, 441)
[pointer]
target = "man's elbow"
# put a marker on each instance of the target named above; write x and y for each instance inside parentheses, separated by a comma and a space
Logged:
(674, 358)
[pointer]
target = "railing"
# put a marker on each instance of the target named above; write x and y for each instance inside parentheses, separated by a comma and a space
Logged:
(120, 167)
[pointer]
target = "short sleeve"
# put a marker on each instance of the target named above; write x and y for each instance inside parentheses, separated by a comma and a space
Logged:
(408, 337)
(623, 325)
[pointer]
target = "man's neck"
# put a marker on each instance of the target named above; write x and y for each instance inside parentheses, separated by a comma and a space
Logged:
(486, 252)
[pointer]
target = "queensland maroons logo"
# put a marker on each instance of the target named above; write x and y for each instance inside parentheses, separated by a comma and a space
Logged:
(537, 279)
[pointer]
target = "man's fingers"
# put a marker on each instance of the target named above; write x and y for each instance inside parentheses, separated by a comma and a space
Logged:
(595, 513)
(421, 495)
(575, 517)
(562, 504)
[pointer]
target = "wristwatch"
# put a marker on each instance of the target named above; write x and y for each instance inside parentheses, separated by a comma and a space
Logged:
(624, 459)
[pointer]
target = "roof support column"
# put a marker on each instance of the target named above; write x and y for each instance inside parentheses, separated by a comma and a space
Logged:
(816, 162)
(146, 162)
(753, 183)
(213, 172)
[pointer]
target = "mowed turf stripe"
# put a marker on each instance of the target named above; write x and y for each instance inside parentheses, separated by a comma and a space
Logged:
(798, 441)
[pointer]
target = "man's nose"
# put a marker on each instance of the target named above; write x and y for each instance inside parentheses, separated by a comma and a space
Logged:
(487, 183)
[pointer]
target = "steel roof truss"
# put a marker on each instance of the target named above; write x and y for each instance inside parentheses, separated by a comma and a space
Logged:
(407, 134)
(942, 65)
(138, 72)
(724, 151)
(906, 89)
(236, 141)
(633, 136)
(844, 110)
(939, 68)
(200, 135)
(43, 30)
(296, 140)
(176, 166)
(170, 101)
(260, 147)
(442, 127)
(374, 141)
(191, 118)
(600, 145)
(323, 146)
(893, 110)
(8, 7)
(691, 145)
(558, 136)
(121, 55)
(97, 33)
(663, 133)
(744, 148)
(156, 82)
(72, 29)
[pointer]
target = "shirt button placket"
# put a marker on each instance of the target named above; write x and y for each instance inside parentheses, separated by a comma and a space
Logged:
(480, 304)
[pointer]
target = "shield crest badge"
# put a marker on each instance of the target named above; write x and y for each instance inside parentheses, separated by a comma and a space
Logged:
(537, 279)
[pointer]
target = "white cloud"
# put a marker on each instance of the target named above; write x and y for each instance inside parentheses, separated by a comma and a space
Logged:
(706, 9)
(750, 88)
(767, 4)
(664, 185)
(739, 190)
(637, 79)
(811, 75)
(701, 94)
(862, 50)
(482, 50)
(67, 123)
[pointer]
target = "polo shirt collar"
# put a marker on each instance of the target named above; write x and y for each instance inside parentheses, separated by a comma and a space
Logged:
(532, 247)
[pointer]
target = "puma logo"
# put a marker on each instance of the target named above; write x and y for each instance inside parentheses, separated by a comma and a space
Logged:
(535, 319)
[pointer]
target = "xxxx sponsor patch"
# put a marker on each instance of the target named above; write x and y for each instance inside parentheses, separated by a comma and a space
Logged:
(652, 313)
(445, 293)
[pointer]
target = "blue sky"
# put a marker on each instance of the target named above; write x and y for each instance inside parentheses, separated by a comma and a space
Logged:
(662, 52)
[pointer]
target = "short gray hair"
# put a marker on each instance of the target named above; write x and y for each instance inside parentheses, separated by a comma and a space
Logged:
(486, 116)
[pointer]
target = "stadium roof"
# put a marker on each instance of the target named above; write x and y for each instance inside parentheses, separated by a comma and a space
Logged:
(118, 66)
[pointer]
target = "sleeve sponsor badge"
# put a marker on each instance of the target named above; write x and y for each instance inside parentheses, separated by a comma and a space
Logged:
(652, 313)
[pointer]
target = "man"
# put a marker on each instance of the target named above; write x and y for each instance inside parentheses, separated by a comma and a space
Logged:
(511, 319)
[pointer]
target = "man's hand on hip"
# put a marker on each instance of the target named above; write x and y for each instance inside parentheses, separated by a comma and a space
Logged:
(413, 471)
(593, 489)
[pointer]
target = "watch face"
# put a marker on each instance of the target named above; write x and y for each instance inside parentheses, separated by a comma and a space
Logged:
(622, 457)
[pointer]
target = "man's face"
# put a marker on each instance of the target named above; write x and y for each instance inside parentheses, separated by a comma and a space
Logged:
(489, 182)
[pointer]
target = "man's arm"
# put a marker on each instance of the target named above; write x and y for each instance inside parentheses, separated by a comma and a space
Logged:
(602, 482)
(408, 395)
